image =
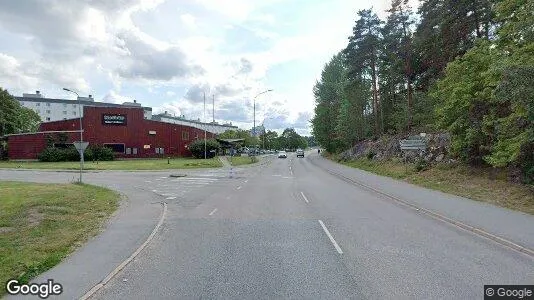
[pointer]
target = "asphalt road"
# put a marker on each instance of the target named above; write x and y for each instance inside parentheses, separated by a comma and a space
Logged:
(290, 229)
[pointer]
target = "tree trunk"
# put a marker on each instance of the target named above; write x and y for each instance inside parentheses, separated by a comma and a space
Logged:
(375, 95)
(408, 73)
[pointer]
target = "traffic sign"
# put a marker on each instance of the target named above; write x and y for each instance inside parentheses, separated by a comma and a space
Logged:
(80, 146)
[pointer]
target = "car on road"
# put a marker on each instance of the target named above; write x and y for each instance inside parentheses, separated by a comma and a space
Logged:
(282, 154)
(300, 153)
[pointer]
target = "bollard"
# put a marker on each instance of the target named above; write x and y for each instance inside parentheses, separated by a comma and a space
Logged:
(231, 172)
(168, 160)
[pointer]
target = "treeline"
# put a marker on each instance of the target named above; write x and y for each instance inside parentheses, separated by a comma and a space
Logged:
(462, 66)
(289, 139)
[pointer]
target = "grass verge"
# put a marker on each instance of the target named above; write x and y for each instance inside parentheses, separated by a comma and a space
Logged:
(40, 224)
(130, 165)
(481, 184)
(242, 160)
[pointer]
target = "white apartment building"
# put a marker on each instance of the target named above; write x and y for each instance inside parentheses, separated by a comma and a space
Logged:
(50, 109)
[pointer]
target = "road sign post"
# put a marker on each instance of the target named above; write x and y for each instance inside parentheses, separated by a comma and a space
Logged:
(81, 146)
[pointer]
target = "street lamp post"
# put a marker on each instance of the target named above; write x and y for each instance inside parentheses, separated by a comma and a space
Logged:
(254, 127)
(81, 129)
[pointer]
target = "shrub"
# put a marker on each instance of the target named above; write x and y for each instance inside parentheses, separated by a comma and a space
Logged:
(100, 153)
(52, 154)
(370, 155)
(421, 165)
(96, 152)
(197, 148)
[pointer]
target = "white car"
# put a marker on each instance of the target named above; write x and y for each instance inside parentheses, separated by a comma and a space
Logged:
(282, 154)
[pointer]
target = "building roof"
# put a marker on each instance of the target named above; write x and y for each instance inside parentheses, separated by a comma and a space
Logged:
(83, 102)
(159, 116)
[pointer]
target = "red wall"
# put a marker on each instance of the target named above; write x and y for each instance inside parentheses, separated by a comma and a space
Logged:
(135, 134)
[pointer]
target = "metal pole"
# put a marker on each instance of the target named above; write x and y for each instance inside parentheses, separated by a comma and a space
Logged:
(213, 109)
(205, 154)
(81, 129)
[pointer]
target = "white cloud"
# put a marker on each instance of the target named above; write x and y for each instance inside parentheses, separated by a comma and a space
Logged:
(137, 47)
(189, 20)
(113, 97)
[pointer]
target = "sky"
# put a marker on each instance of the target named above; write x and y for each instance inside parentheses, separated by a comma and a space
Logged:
(167, 54)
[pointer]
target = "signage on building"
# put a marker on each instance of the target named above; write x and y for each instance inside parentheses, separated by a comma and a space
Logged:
(146, 146)
(152, 132)
(113, 119)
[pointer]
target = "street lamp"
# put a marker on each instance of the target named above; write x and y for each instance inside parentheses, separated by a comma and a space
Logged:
(254, 127)
(81, 129)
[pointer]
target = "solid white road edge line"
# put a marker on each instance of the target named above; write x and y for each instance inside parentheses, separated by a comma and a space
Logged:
(303, 196)
(331, 238)
(129, 259)
(212, 212)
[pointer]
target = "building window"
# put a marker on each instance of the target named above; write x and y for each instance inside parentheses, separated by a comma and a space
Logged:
(22, 103)
(118, 148)
(48, 118)
(185, 135)
(48, 111)
(73, 113)
(64, 118)
(128, 150)
(48, 104)
(134, 151)
(37, 104)
(64, 112)
(64, 104)
(74, 105)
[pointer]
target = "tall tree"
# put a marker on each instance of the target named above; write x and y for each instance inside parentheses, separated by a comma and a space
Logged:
(328, 94)
(15, 118)
(362, 54)
(396, 70)
(448, 29)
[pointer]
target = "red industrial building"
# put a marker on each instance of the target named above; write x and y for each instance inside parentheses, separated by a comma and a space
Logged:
(122, 128)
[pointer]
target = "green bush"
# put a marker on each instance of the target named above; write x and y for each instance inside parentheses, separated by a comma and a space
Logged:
(421, 165)
(100, 153)
(96, 152)
(197, 148)
(52, 154)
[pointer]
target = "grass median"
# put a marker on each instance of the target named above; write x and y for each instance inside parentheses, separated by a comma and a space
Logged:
(481, 184)
(242, 160)
(126, 165)
(40, 224)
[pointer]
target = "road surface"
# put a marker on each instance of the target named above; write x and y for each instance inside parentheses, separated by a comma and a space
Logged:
(290, 228)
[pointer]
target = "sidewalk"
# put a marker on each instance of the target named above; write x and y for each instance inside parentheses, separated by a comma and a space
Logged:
(513, 225)
(225, 162)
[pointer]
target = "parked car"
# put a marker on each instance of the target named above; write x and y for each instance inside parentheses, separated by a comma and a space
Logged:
(282, 154)
(300, 153)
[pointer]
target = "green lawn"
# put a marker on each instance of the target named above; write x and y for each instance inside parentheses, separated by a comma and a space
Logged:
(242, 160)
(134, 164)
(479, 184)
(41, 223)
